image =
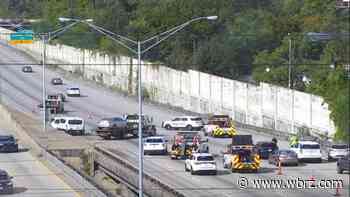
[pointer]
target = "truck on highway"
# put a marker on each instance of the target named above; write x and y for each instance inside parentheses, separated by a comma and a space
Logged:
(115, 127)
(184, 143)
(219, 126)
(148, 128)
(55, 106)
(241, 155)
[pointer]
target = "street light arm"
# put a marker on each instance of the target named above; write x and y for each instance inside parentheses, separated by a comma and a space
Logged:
(111, 33)
(111, 37)
(164, 38)
(174, 29)
(58, 32)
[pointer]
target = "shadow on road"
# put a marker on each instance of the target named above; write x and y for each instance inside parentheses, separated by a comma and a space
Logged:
(266, 170)
(18, 190)
(223, 172)
(21, 150)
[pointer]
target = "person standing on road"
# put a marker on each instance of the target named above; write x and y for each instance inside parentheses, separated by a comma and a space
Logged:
(293, 140)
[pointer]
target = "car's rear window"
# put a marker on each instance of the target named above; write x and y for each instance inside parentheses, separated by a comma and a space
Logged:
(115, 119)
(205, 158)
(287, 152)
(6, 138)
(3, 177)
(74, 88)
(196, 119)
(75, 121)
(310, 146)
(267, 145)
(340, 146)
(154, 140)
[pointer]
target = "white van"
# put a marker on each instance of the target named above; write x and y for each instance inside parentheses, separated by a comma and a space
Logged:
(71, 125)
(308, 150)
(73, 91)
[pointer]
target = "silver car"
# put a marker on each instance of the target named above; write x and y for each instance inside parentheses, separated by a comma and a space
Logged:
(337, 151)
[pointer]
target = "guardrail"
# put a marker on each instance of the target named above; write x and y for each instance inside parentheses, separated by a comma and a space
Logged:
(128, 174)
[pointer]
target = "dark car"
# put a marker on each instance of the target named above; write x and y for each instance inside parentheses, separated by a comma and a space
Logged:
(264, 149)
(27, 69)
(6, 184)
(56, 81)
(343, 164)
(285, 156)
(8, 144)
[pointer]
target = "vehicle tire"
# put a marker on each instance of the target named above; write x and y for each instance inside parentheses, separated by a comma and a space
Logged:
(225, 165)
(186, 169)
(339, 170)
(168, 127)
(192, 172)
(189, 127)
(108, 137)
(82, 132)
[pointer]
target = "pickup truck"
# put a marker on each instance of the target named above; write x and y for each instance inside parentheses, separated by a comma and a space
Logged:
(113, 127)
(148, 128)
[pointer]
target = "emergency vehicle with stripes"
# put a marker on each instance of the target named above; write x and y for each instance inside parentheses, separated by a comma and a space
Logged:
(220, 126)
(241, 155)
(187, 142)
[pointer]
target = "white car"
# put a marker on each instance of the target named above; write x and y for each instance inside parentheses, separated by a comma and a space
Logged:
(73, 91)
(155, 145)
(184, 122)
(337, 151)
(308, 150)
(71, 125)
(201, 163)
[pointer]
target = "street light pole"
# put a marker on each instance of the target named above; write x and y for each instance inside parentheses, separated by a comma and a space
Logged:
(140, 120)
(46, 37)
(122, 41)
(290, 62)
(44, 88)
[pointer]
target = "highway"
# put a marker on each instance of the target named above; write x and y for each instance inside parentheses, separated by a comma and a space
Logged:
(23, 91)
(30, 176)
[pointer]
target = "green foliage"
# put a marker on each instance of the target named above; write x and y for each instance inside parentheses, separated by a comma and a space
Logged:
(249, 37)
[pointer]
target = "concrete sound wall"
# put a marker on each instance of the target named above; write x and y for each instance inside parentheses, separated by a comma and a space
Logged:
(262, 105)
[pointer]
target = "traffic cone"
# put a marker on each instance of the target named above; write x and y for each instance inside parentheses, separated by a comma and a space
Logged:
(279, 172)
(337, 191)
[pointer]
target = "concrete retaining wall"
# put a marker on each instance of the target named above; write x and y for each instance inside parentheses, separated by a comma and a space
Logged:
(71, 177)
(265, 105)
(128, 172)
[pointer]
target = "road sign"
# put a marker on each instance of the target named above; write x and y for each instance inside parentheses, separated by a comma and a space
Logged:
(13, 42)
(22, 37)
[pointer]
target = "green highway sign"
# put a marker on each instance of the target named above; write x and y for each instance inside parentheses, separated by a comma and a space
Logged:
(24, 35)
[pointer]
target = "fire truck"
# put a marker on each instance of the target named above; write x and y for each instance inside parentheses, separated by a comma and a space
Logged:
(219, 126)
(241, 155)
(185, 143)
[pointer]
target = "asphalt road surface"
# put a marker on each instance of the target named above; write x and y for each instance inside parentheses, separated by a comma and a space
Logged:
(30, 176)
(23, 91)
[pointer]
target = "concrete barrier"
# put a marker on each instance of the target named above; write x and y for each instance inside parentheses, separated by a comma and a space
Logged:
(260, 105)
(128, 172)
(71, 177)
